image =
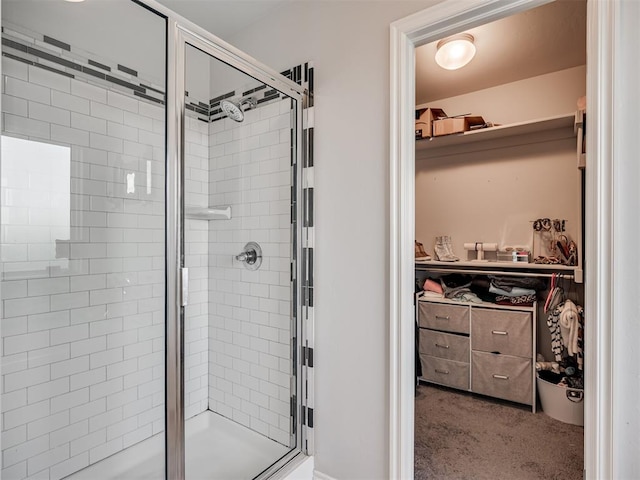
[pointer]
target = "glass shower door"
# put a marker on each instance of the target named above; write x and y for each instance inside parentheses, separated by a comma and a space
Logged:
(82, 239)
(240, 245)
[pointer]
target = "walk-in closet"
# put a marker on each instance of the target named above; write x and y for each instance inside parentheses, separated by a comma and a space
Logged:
(499, 231)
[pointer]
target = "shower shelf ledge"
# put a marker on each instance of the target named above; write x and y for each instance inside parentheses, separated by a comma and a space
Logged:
(222, 212)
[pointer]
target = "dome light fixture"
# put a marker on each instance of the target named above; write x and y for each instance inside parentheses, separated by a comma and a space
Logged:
(74, 1)
(456, 51)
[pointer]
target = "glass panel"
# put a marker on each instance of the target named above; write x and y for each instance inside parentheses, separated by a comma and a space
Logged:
(82, 240)
(239, 324)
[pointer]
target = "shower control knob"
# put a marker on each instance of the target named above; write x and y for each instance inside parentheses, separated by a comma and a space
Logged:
(248, 256)
(251, 256)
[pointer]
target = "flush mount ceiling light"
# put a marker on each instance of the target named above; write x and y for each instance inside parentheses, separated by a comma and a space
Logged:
(456, 51)
(74, 1)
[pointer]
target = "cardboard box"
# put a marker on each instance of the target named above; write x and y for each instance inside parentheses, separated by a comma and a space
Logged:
(424, 121)
(447, 126)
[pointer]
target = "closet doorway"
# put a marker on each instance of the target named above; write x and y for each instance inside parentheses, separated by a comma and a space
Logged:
(436, 23)
(483, 190)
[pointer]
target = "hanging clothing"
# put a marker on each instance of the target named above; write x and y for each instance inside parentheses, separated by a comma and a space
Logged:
(569, 326)
(566, 325)
(579, 345)
(556, 336)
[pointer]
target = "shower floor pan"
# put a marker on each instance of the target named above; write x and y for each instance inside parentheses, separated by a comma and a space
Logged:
(216, 449)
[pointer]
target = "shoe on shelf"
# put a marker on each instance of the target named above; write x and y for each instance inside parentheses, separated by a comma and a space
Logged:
(443, 250)
(447, 244)
(421, 255)
(440, 250)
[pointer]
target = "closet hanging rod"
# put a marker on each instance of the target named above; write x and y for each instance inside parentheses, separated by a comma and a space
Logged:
(497, 272)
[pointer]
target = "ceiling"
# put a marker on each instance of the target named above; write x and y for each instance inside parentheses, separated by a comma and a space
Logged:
(223, 18)
(542, 40)
(139, 43)
(535, 42)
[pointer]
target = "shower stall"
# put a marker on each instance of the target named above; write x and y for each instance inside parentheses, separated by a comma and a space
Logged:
(156, 240)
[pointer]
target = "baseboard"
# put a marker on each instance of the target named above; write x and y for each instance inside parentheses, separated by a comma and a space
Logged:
(321, 476)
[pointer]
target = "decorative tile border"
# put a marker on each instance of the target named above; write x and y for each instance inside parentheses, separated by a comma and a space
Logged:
(304, 75)
(62, 58)
(59, 57)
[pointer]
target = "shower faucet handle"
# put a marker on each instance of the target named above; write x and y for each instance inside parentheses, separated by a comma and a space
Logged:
(251, 256)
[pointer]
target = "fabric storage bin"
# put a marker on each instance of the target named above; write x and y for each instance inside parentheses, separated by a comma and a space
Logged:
(445, 372)
(502, 331)
(562, 403)
(502, 376)
(441, 316)
(444, 345)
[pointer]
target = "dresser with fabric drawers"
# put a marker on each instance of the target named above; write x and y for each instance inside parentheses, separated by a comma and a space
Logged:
(483, 348)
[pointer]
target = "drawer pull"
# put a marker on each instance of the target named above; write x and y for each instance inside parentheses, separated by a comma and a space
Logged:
(441, 346)
(501, 377)
(499, 332)
(439, 317)
(446, 372)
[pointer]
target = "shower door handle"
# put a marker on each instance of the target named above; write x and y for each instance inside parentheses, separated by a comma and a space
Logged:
(184, 287)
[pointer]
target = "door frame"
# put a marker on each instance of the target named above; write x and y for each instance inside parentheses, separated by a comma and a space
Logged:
(182, 32)
(441, 20)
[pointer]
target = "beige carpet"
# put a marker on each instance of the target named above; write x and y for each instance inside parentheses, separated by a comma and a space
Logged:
(463, 436)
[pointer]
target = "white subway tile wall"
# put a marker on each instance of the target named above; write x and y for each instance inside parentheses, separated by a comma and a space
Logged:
(250, 332)
(196, 259)
(83, 331)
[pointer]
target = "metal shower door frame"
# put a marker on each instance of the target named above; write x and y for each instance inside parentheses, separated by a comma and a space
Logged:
(181, 33)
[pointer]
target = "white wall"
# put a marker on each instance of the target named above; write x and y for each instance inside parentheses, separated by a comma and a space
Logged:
(493, 195)
(196, 76)
(532, 98)
(626, 230)
(349, 45)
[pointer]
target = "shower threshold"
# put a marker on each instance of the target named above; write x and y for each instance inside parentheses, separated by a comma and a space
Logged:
(216, 449)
